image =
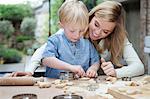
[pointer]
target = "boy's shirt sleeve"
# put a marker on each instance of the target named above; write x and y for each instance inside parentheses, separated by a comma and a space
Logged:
(94, 55)
(51, 48)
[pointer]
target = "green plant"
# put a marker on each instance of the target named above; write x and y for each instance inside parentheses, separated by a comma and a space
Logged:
(22, 38)
(28, 26)
(10, 55)
(89, 3)
(6, 28)
(99, 1)
(15, 12)
(54, 17)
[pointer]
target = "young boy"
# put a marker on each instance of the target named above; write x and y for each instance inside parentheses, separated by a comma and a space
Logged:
(67, 49)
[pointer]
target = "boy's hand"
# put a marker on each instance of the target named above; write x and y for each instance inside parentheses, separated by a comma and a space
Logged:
(91, 73)
(77, 69)
(15, 74)
(108, 68)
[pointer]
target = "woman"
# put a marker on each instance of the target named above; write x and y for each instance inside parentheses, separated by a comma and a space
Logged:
(108, 34)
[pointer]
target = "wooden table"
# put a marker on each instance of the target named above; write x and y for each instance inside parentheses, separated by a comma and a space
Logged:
(143, 88)
(7, 92)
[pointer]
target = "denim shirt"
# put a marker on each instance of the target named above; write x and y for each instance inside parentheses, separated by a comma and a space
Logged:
(80, 53)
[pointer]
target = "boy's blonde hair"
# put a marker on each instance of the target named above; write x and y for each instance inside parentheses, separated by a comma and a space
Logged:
(74, 12)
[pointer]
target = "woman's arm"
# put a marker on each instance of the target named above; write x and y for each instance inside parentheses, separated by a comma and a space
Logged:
(35, 60)
(134, 65)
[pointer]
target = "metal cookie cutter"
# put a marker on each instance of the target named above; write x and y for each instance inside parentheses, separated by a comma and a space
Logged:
(68, 96)
(126, 78)
(25, 96)
(92, 87)
(66, 75)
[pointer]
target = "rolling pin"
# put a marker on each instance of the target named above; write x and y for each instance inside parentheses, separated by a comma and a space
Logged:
(19, 80)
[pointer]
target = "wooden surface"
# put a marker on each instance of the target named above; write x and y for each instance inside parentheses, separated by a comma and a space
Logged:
(145, 89)
(7, 92)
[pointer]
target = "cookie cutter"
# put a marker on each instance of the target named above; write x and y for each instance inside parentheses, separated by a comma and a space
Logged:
(25, 96)
(126, 78)
(66, 75)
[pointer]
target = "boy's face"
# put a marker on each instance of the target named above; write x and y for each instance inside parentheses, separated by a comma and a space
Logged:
(73, 32)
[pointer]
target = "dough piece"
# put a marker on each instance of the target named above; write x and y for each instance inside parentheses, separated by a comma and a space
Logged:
(58, 81)
(62, 85)
(84, 79)
(44, 84)
(91, 81)
(138, 91)
(111, 79)
(69, 83)
(133, 92)
(106, 96)
(144, 82)
(68, 92)
(66, 87)
(147, 79)
(132, 83)
(74, 89)
(122, 89)
(64, 81)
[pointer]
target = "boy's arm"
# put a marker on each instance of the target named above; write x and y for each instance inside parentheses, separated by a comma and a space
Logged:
(94, 60)
(50, 57)
(53, 62)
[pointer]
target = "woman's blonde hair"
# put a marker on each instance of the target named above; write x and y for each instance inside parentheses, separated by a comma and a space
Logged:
(111, 11)
(74, 12)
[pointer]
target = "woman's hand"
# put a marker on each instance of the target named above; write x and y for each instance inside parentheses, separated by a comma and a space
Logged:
(19, 73)
(108, 68)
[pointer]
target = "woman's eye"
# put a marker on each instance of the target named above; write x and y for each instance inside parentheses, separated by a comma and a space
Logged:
(96, 24)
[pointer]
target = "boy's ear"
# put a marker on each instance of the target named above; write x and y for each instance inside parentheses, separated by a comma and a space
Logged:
(60, 24)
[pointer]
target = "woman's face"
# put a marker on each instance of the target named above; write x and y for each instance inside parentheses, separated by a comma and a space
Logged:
(99, 28)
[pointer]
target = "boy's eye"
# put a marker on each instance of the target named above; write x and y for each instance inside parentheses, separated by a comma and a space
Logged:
(71, 31)
(105, 32)
(81, 31)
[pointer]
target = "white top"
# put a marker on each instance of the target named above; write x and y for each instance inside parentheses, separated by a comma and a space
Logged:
(132, 63)
(35, 60)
